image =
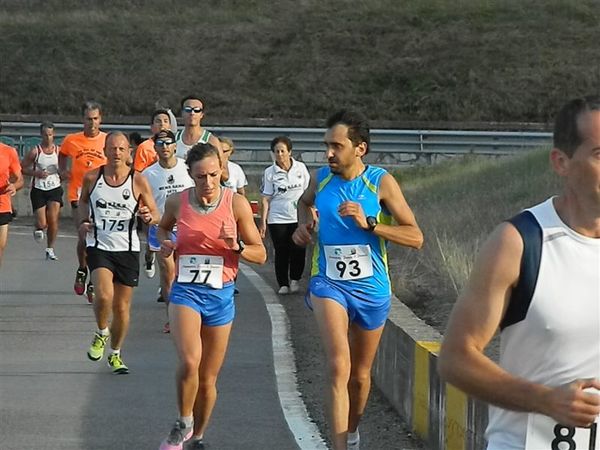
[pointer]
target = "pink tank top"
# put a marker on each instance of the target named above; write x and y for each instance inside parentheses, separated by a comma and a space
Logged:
(198, 234)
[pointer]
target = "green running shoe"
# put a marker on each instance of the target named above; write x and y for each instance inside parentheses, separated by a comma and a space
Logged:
(96, 350)
(117, 365)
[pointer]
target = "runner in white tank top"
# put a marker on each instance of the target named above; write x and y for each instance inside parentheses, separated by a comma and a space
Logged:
(538, 280)
(113, 212)
(192, 112)
(41, 163)
(110, 201)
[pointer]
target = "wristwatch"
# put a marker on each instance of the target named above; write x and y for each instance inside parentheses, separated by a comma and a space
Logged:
(241, 247)
(371, 223)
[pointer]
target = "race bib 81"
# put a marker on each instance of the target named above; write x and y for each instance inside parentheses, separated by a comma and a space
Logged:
(544, 433)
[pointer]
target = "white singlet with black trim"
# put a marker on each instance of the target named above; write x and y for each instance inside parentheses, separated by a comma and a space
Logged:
(165, 182)
(183, 149)
(113, 212)
(558, 341)
(49, 164)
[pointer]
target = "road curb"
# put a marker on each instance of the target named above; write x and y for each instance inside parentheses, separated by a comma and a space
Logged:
(405, 370)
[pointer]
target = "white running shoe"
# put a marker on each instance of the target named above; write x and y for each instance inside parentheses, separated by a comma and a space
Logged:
(283, 290)
(38, 236)
(50, 254)
(294, 286)
(150, 267)
(353, 442)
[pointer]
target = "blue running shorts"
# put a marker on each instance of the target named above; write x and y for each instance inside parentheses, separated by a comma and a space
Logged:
(215, 306)
(153, 243)
(368, 313)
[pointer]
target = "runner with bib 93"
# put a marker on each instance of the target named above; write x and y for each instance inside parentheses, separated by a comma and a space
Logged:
(349, 290)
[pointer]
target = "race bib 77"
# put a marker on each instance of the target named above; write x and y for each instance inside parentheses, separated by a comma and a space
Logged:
(201, 269)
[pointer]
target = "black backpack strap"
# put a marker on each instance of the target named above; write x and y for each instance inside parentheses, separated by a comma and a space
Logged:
(520, 299)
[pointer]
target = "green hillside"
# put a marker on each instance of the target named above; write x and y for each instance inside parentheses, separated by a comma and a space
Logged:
(457, 204)
(413, 60)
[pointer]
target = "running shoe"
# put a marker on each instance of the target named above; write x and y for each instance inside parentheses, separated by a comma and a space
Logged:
(50, 254)
(96, 350)
(194, 444)
(80, 278)
(38, 236)
(294, 286)
(353, 442)
(283, 290)
(150, 268)
(178, 435)
(160, 298)
(90, 293)
(167, 328)
(117, 365)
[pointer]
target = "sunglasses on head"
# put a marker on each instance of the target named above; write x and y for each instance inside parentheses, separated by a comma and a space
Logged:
(162, 142)
(189, 109)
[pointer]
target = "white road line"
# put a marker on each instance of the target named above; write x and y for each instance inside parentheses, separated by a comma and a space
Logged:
(304, 430)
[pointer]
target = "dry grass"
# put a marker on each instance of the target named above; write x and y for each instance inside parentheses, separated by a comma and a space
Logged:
(457, 204)
(492, 60)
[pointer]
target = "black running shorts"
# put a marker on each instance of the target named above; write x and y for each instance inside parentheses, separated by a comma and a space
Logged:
(40, 198)
(5, 218)
(125, 266)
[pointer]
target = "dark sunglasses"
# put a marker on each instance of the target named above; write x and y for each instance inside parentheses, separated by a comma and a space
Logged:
(162, 143)
(189, 109)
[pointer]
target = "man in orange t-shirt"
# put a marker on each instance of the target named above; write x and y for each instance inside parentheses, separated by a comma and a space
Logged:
(145, 155)
(86, 151)
(11, 181)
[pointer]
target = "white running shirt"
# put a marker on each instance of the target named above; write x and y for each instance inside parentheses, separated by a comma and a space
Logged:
(284, 188)
(559, 339)
(112, 210)
(237, 177)
(183, 149)
(165, 182)
(49, 163)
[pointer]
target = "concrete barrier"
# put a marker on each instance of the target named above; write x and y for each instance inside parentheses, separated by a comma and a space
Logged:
(405, 371)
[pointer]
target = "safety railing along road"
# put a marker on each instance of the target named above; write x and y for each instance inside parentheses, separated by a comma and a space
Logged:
(389, 148)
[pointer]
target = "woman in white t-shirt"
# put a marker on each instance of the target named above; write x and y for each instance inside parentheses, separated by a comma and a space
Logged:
(237, 181)
(283, 184)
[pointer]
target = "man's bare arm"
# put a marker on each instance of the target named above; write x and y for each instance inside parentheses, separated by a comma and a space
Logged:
(473, 322)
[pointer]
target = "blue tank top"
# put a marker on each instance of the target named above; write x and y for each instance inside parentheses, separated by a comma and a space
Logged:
(353, 258)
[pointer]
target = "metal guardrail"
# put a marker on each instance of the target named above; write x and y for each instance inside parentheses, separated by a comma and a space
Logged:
(389, 148)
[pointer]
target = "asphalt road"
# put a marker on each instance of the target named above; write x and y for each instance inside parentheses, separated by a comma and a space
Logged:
(53, 397)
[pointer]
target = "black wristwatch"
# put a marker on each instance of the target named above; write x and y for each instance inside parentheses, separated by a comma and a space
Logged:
(240, 248)
(371, 223)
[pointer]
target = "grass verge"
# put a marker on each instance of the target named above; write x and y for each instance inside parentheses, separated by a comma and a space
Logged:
(471, 60)
(457, 204)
